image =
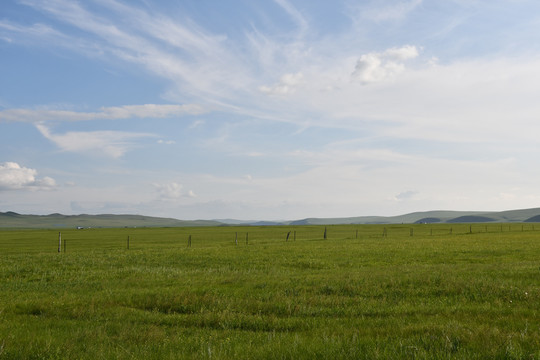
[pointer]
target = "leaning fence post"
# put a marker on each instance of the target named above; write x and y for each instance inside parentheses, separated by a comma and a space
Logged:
(288, 234)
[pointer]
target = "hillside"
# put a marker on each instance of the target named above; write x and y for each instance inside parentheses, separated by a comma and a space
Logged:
(13, 220)
(437, 216)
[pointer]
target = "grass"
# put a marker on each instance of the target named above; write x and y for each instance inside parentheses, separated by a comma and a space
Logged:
(433, 295)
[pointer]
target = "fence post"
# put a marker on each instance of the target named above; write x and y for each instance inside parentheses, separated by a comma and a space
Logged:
(325, 233)
(294, 236)
(59, 242)
(236, 238)
(189, 241)
(247, 234)
(288, 234)
(128, 242)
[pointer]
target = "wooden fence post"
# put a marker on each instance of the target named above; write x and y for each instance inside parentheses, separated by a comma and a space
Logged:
(236, 238)
(325, 234)
(189, 241)
(288, 234)
(128, 242)
(59, 242)
(247, 234)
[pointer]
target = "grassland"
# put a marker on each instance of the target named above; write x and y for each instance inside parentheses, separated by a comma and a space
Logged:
(420, 291)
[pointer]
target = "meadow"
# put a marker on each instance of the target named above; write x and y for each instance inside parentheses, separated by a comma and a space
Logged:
(441, 291)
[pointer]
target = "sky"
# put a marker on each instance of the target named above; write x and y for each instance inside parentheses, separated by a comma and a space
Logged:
(269, 110)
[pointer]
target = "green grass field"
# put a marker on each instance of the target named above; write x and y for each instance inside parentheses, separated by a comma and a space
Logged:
(419, 292)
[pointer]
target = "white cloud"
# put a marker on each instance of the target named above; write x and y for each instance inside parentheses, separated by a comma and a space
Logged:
(15, 177)
(286, 85)
(109, 143)
(375, 67)
(166, 142)
(172, 191)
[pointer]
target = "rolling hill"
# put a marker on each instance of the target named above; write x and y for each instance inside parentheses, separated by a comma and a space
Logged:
(14, 220)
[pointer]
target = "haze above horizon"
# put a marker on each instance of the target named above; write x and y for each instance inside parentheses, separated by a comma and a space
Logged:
(281, 109)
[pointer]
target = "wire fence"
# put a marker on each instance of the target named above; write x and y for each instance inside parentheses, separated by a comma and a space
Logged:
(104, 239)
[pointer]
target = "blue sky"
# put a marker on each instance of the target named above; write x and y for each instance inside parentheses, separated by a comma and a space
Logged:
(279, 109)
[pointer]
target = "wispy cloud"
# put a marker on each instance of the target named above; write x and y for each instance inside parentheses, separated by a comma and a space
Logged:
(294, 14)
(379, 11)
(405, 195)
(105, 113)
(109, 143)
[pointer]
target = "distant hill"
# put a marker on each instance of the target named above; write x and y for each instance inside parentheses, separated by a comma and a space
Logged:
(533, 219)
(471, 219)
(437, 216)
(13, 220)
